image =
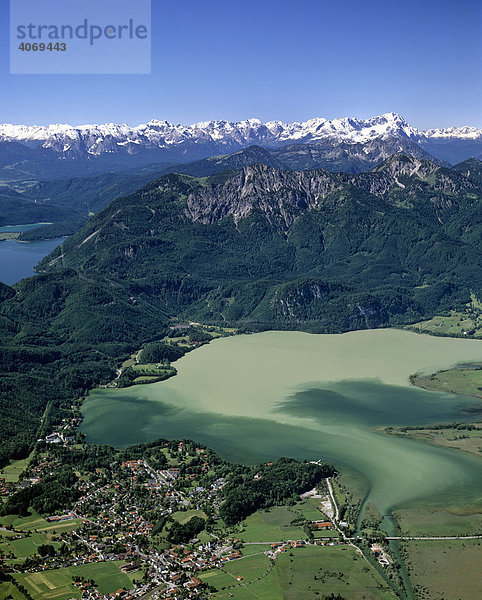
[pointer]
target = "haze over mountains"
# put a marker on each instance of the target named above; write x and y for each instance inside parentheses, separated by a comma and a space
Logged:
(347, 143)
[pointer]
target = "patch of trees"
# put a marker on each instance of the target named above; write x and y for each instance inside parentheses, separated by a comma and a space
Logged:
(85, 459)
(159, 524)
(53, 493)
(157, 352)
(456, 425)
(46, 550)
(196, 335)
(180, 533)
(268, 485)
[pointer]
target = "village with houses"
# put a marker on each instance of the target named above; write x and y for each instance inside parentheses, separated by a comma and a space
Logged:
(124, 515)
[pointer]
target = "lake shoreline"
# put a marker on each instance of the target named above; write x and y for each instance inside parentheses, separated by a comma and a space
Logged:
(451, 382)
(18, 259)
(242, 427)
(418, 380)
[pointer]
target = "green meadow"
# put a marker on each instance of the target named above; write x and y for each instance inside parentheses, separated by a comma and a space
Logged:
(445, 569)
(183, 516)
(438, 523)
(272, 525)
(301, 574)
(458, 381)
(35, 522)
(26, 546)
(58, 585)
(8, 589)
(12, 472)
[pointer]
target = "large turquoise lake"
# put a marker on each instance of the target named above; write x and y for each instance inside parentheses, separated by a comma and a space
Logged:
(256, 397)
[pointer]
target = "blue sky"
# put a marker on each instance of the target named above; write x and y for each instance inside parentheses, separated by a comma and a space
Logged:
(288, 60)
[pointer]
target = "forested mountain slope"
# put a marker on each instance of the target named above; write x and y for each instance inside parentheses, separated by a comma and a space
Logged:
(398, 241)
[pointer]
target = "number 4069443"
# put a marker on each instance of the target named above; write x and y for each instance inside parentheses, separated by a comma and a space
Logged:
(41, 47)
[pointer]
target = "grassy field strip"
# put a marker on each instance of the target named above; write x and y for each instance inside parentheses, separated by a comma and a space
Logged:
(254, 554)
(308, 573)
(276, 521)
(257, 579)
(437, 524)
(57, 584)
(26, 546)
(12, 472)
(7, 589)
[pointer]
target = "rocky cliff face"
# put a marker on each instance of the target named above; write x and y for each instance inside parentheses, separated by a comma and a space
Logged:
(281, 196)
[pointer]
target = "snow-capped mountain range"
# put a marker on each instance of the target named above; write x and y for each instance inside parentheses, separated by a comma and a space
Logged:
(98, 139)
(120, 146)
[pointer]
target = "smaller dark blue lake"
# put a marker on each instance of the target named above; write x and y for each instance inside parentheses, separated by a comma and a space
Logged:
(18, 259)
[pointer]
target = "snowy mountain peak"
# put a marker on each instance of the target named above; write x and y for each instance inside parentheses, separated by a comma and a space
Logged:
(221, 135)
(469, 133)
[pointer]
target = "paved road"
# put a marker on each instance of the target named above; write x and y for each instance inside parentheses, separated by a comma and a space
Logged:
(435, 537)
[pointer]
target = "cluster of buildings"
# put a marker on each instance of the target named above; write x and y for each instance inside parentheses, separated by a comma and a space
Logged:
(278, 548)
(118, 508)
(6, 487)
(381, 555)
(65, 434)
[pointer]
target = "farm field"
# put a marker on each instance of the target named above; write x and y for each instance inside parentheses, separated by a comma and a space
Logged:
(58, 585)
(35, 522)
(250, 568)
(185, 516)
(26, 546)
(12, 472)
(254, 549)
(7, 589)
(4, 235)
(150, 373)
(454, 324)
(273, 525)
(303, 574)
(458, 381)
(449, 570)
(309, 509)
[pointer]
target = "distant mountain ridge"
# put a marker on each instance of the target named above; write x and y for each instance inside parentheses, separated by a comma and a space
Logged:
(163, 141)
(84, 196)
(96, 139)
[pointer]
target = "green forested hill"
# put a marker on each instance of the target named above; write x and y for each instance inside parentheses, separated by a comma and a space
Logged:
(61, 335)
(256, 248)
(328, 251)
(17, 209)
